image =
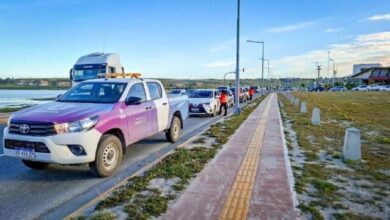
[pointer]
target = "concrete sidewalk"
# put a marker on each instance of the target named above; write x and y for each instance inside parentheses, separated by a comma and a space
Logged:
(250, 178)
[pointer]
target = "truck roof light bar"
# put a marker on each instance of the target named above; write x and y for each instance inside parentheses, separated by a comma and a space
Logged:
(123, 75)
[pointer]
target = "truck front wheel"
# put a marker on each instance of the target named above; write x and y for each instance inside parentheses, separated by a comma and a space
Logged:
(173, 133)
(108, 156)
(35, 165)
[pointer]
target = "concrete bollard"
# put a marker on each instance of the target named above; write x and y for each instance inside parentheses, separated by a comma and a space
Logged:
(303, 107)
(296, 103)
(315, 117)
(352, 144)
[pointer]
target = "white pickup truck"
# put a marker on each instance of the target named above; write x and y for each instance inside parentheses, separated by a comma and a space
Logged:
(93, 123)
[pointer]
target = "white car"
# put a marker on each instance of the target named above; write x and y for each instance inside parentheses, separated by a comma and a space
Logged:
(177, 92)
(385, 88)
(204, 102)
(373, 87)
(360, 88)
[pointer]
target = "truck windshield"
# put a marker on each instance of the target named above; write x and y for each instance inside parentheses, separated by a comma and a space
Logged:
(202, 94)
(88, 71)
(94, 92)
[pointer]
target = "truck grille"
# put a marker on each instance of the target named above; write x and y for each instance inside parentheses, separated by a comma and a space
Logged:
(32, 128)
(37, 146)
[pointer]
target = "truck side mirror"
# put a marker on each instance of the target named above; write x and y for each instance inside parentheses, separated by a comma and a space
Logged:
(70, 75)
(133, 100)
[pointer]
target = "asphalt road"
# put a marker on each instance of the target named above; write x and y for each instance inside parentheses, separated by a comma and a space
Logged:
(59, 190)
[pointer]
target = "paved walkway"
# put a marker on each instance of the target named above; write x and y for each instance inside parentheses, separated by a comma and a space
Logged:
(250, 178)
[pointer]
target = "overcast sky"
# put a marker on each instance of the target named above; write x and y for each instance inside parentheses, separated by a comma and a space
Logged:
(192, 38)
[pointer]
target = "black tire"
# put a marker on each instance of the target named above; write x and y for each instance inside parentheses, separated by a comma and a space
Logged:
(108, 156)
(35, 164)
(173, 133)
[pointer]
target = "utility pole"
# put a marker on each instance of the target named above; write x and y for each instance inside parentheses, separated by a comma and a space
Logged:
(318, 77)
(262, 58)
(328, 61)
(334, 71)
(237, 100)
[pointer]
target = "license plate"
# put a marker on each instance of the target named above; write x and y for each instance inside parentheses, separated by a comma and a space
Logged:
(24, 152)
(195, 109)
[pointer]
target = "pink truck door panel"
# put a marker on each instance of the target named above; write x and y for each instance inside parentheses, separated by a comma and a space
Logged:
(160, 112)
(138, 118)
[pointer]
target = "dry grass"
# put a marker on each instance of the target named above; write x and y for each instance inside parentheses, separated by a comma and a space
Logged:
(328, 186)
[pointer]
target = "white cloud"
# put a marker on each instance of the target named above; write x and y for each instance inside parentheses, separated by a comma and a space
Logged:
(333, 30)
(379, 17)
(225, 63)
(222, 46)
(369, 48)
(290, 27)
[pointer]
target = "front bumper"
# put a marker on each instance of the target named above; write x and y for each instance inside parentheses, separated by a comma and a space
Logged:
(202, 109)
(58, 146)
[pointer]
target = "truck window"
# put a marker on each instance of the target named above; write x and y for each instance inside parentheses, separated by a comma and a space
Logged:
(111, 69)
(94, 92)
(137, 90)
(154, 90)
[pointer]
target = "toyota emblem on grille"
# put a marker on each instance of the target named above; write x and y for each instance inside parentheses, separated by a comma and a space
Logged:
(24, 128)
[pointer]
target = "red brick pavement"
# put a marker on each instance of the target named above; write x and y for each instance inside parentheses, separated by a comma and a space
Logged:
(271, 197)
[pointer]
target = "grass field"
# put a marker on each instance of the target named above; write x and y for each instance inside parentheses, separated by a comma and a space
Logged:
(327, 185)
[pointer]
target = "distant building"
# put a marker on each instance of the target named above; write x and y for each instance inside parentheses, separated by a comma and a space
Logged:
(63, 84)
(179, 85)
(379, 75)
(32, 83)
(199, 84)
(357, 68)
(43, 83)
(22, 82)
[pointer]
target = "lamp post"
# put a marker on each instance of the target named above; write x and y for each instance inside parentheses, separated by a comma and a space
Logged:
(262, 58)
(268, 67)
(237, 101)
(224, 76)
(318, 77)
(334, 71)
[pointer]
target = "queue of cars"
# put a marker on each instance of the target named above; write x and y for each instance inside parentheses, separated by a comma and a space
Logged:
(371, 87)
(95, 121)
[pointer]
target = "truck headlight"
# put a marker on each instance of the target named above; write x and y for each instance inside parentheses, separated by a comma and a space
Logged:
(207, 103)
(77, 126)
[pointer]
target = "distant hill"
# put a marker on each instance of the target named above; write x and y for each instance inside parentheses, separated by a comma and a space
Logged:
(64, 83)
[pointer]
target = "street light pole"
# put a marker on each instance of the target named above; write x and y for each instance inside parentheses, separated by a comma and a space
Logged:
(262, 58)
(318, 78)
(334, 71)
(224, 76)
(237, 100)
(268, 67)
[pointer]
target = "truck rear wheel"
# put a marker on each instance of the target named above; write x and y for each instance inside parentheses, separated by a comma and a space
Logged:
(108, 156)
(173, 133)
(35, 165)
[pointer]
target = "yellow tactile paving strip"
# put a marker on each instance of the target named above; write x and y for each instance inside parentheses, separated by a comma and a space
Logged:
(237, 203)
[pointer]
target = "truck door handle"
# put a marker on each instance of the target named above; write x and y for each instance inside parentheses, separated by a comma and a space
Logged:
(148, 107)
(165, 103)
